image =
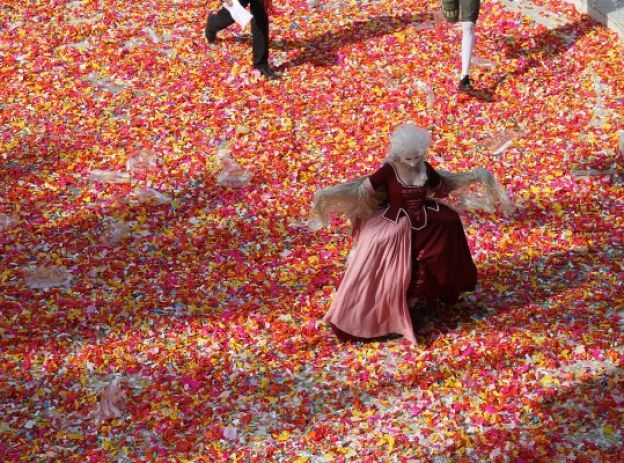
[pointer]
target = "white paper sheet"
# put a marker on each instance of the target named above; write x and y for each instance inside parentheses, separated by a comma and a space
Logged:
(239, 14)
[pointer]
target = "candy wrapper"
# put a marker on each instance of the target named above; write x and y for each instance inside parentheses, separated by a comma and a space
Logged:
(111, 402)
(231, 174)
(114, 231)
(142, 162)
(109, 176)
(152, 197)
(429, 95)
(47, 277)
(7, 221)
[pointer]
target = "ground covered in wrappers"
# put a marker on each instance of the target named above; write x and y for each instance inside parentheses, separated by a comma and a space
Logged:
(134, 253)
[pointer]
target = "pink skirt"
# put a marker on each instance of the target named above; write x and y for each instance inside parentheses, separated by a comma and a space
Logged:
(371, 300)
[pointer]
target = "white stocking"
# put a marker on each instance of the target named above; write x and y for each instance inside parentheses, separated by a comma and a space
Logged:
(468, 40)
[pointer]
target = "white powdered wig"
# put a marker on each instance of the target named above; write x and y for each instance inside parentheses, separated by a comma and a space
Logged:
(408, 139)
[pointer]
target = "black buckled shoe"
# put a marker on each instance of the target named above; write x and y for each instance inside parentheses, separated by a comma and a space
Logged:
(465, 85)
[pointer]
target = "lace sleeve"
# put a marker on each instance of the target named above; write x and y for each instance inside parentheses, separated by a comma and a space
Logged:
(355, 199)
(491, 195)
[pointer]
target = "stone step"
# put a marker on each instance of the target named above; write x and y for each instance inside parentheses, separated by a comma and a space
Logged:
(608, 12)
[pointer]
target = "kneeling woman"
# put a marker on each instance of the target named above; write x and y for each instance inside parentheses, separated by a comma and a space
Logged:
(412, 248)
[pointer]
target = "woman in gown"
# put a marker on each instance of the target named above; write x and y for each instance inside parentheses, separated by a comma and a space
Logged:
(411, 249)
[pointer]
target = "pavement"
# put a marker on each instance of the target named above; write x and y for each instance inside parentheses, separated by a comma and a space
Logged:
(608, 12)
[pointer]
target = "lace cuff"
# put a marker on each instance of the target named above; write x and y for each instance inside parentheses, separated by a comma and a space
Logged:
(366, 188)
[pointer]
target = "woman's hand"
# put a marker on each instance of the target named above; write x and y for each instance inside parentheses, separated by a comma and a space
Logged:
(268, 6)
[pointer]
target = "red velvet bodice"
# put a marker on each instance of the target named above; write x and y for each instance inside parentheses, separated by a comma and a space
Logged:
(407, 200)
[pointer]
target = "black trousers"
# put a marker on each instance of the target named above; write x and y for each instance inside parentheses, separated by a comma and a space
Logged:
(259, 29)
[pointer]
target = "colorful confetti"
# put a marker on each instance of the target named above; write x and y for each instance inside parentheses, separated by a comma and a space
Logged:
(160, 296)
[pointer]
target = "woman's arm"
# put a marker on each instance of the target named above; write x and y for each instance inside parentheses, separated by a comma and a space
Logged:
(459, 182)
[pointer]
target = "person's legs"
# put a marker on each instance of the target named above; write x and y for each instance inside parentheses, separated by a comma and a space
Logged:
(468, 39)
(259, 32)
(468, 15)
(217, 22)
(260, 36)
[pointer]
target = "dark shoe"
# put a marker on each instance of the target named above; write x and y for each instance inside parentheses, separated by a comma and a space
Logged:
(267, 72)
(464, 84)
(211, 34)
